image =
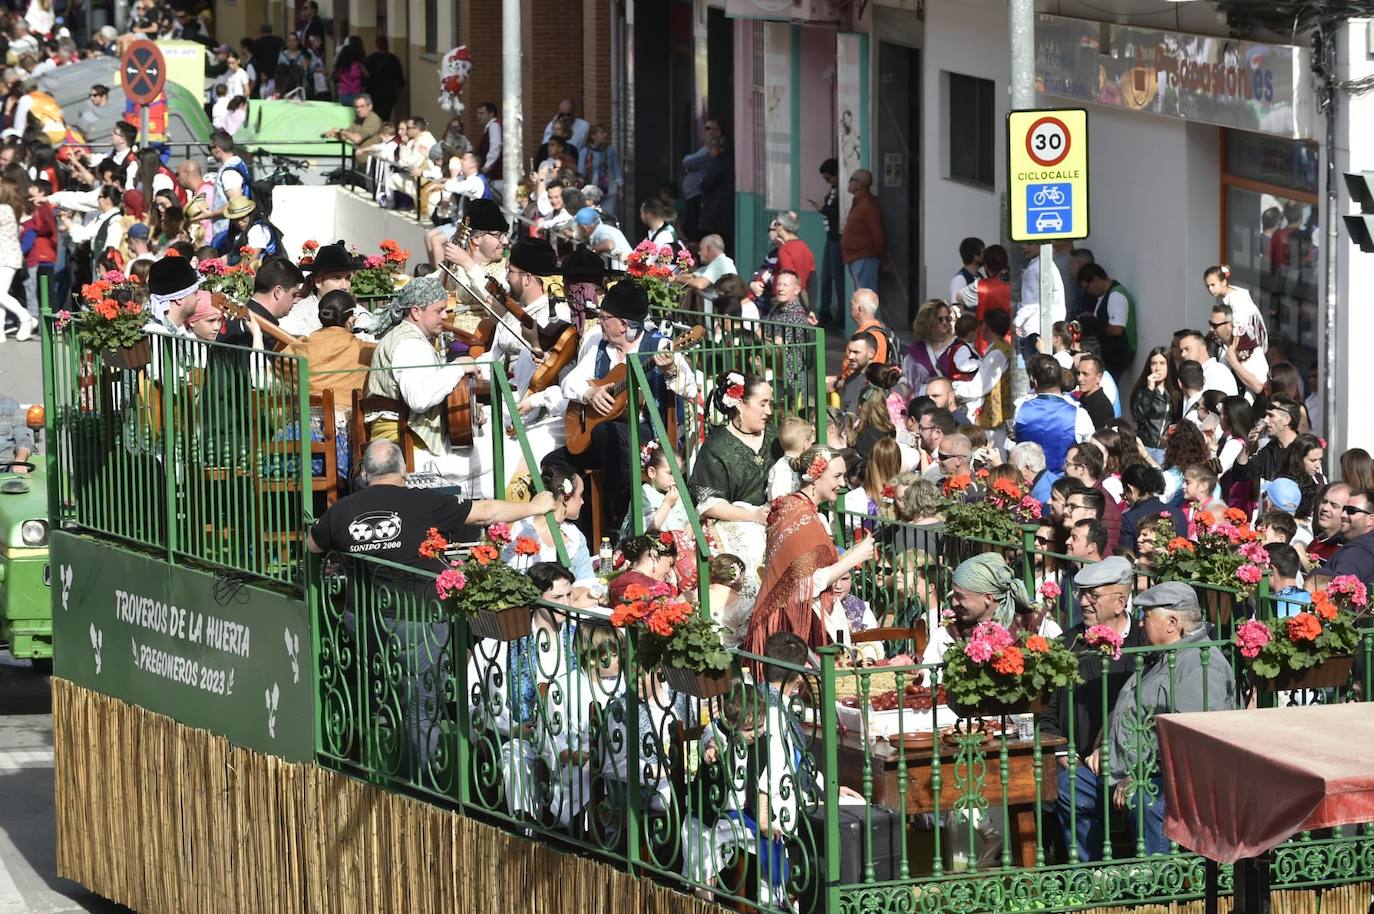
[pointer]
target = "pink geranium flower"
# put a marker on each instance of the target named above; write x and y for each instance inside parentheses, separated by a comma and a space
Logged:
(1252, 636)
(1050, 590)
(450, 581)
(979, 650)
(1249, 574)
(1106, 639)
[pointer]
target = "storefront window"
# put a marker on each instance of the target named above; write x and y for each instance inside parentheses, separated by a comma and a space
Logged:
(1272, 236)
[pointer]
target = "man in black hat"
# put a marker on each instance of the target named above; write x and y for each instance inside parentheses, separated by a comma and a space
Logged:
(331, 269)
(172, 288)
(625, 330)
(476, 243)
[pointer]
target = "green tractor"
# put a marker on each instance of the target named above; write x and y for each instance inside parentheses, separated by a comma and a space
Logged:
(25, 576)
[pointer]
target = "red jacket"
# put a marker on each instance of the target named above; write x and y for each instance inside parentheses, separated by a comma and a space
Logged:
(44, 225)
(794, 255)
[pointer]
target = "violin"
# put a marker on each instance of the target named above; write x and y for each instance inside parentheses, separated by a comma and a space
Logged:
(558, 339)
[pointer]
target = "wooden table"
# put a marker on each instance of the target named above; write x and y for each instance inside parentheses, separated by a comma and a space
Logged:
(1021, 797)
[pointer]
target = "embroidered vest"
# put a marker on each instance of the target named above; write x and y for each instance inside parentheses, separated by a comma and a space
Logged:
(997, 401)
(427, 425)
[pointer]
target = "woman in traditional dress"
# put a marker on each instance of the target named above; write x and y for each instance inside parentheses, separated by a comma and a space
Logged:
(651, 557)
(803, 563)
(931, 353)
(730, 478)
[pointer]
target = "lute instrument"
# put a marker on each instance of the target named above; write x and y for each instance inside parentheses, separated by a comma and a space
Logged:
(582, 419)
(232, 309)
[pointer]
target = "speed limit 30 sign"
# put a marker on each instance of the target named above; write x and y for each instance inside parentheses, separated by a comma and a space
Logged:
(1047, 174)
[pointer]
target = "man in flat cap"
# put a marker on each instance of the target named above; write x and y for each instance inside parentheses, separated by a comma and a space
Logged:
(1171, 618)
(407, 368)
(625, 330)
(1103, 591)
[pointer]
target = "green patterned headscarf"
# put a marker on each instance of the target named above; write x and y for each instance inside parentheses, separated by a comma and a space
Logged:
(989, 573)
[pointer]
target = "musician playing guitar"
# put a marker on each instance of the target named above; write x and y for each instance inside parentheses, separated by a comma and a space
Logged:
(407, 367)
(477, 244)
(276, 287)
(624, 331)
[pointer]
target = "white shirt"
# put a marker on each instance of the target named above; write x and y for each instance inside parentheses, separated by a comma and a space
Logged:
(1027, 320)
(470, 186)
(621, 248)
(237, 82)
(721, 266)
(1216, 376)
(1118, 308)
(493, 129)
(423, 388)
(580, 128)
(958, 284)
(87, 231)
(972, 392)
(577, 384)
(1256, 364)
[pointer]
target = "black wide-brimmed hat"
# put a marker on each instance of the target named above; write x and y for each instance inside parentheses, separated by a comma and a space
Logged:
(626, 300)
(170, 275)
(485, 216)
(584, 265)
(332, 258)
(535, 257)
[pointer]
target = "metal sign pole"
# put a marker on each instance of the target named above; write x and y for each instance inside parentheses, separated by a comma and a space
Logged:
(1046, 319)
(143, 127)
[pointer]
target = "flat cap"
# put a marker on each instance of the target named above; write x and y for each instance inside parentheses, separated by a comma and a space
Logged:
(1112, 570)
(1169, 595)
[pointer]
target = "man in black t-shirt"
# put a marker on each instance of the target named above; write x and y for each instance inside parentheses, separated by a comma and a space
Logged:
(388, 521)
(1091, 396)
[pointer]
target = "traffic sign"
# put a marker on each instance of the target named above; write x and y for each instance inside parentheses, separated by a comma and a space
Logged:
(1047, 174)
(142, 72)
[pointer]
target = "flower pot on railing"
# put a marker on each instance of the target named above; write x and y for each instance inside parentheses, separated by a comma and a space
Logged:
(509, 624)
(1218, 605)
(1332, 674)
(1037, 705)
(130, 358)
(703, 685)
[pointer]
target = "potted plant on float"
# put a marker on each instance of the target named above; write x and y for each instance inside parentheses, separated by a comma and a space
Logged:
(653, 267)
(674, 636)
(996, 672)
(112, 323)
(380, 274)
(993, 514)
(1312, 649)
(496, 597)
(1226, 557)
(234, 283)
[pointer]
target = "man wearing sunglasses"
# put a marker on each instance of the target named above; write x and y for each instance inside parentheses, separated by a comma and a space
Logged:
(1357, 555)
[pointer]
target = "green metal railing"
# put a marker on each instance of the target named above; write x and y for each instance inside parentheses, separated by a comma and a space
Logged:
(564, 736)
(198, 453)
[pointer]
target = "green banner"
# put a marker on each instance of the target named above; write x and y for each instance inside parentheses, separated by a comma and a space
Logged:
(210, 653)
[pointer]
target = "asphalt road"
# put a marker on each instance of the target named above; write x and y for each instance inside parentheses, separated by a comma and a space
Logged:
(28, 837)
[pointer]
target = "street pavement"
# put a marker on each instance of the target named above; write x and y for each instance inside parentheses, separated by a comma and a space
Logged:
(28, 834)
(21, 371)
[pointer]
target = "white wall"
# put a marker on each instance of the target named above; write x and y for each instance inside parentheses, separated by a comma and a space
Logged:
(1155, 182)
(1154, 195)
(328, 213)
(1354, 372)
(969, 37)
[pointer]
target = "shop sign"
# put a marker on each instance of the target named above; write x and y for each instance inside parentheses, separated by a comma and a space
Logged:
(1266, 88)
(1047, 174)
(234, 660)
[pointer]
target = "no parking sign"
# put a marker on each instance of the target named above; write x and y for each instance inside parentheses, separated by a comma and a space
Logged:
(1047, 174)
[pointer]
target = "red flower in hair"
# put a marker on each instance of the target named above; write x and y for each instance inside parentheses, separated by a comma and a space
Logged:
(735, 391)
(666, 538)
(817, 468)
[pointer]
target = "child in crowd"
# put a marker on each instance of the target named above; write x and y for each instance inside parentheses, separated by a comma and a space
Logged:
(850, 613)
(795, 435)
(730, 606)
(1285, 580)
(663, 512)
(1199, 497)
(1147, 546)
(965, 354)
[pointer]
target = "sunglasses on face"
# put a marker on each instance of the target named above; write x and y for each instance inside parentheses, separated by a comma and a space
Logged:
(1352, 510)
(943, 457)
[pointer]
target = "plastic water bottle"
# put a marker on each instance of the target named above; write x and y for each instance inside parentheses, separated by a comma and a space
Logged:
(607, 557)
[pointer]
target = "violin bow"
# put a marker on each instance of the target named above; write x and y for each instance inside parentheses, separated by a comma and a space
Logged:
(481, 299)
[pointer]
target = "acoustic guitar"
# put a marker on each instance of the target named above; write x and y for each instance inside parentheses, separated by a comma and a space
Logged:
(461, 409)
(232, 309)
(582, 419)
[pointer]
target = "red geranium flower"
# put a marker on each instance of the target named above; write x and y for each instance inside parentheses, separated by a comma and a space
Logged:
(1304, 627)
(434, 544)
(485, 555)
(1010, 662)
(524, 545)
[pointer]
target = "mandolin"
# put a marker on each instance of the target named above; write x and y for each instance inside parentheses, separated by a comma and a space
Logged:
(582, 419)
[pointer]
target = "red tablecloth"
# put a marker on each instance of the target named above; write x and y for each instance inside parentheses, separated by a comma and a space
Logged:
(1238, 783)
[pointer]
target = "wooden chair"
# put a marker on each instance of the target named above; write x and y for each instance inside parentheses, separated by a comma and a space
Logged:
(270, 451)
(916, 636)
(595, 505)
(357, 428)
(328, 481)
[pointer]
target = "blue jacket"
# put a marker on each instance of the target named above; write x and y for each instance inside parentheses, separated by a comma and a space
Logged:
(1051, 422)
(1355, 557)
